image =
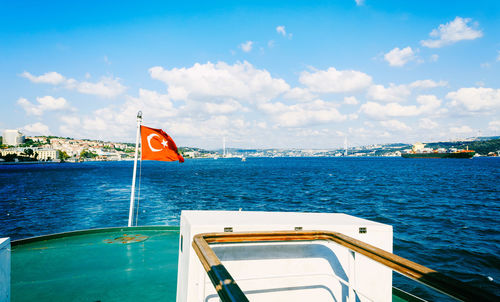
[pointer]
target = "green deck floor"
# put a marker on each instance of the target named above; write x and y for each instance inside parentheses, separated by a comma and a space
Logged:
(97, 266)
(116, 264)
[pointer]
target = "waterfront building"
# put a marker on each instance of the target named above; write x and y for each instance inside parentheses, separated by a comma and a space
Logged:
(44, 154)
(47, 154)
(12, 137)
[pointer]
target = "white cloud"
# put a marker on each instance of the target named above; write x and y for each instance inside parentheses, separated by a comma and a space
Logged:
(475, 99)
(281, 30)
(118, 121)
(46, 103)
(428, 124)
(226, 107)
(382, 112)
(461, 130)
(494, 125)
(52, 77)
(247, 46)
(221, 81)
(434, 58)
(399, 57)
(315, 112)
(452, 32)
(300, 94)
(332, 80)
(107, 87)
(428, 84)
(70, 120)
(36, 129)
(395, 125)
(351, 100)
(393, 93)
(427, 104)
(360, 2)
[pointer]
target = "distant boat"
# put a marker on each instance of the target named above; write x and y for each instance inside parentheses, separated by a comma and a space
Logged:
(243, 158)
(418, 151)
(457, 154)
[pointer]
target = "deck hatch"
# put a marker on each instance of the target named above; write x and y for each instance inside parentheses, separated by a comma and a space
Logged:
(126, 239)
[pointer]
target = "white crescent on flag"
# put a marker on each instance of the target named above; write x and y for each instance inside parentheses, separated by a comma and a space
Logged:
(149, 142)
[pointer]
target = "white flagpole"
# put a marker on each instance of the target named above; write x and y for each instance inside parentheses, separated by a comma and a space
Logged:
(132, 193)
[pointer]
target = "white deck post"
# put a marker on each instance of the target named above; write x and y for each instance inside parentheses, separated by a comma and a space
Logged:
(132, 193)
(5, 269)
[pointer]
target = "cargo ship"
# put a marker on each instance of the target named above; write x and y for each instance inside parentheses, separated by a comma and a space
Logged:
(419, 151)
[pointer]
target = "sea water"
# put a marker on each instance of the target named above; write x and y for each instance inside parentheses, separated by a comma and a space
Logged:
(445, 212)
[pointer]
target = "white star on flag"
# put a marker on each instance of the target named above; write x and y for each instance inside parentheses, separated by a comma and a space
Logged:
(164, 143)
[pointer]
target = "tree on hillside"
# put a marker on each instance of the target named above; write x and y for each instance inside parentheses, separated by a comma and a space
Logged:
(63, 155)
(87, 154)
(29, 152)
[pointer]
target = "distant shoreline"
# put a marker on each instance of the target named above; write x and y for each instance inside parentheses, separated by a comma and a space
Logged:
(27, 162)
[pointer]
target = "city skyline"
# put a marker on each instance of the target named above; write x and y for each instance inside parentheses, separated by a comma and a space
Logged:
(263, 75)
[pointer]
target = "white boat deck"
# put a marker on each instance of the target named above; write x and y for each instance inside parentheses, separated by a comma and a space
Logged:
(286, 271)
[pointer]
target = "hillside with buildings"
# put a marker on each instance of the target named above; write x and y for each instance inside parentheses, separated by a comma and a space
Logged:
(15, 146)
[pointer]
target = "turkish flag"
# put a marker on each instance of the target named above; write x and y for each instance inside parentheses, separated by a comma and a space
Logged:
(157, 145)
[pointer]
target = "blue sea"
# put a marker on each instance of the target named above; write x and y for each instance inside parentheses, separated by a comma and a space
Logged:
(445, 212)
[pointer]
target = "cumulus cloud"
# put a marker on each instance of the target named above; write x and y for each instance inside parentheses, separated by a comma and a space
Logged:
(350, 100)
(393, 93)
(333, 80)
(315, 112)
(300, 94)
(117, 121)
(221, 81)
(428, 84)
(46, 103)
(52, 77)
(70, 120)
(428, 124)
(107, 87)
(247, 46)
(427, 104)
(381, 112)
(227, 107)
(36, 129)
(399, 93)
(461, 130)
(395, 125)
(399, 57)
(452, 32)
(475, 99)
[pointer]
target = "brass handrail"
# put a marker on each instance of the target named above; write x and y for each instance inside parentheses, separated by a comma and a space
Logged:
(228, 290)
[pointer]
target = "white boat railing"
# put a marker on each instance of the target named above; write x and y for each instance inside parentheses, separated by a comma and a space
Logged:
(228, 289)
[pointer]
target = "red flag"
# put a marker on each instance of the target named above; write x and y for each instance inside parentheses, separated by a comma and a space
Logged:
(157, 145)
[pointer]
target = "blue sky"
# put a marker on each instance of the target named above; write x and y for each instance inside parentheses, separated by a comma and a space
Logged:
(285, 74)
